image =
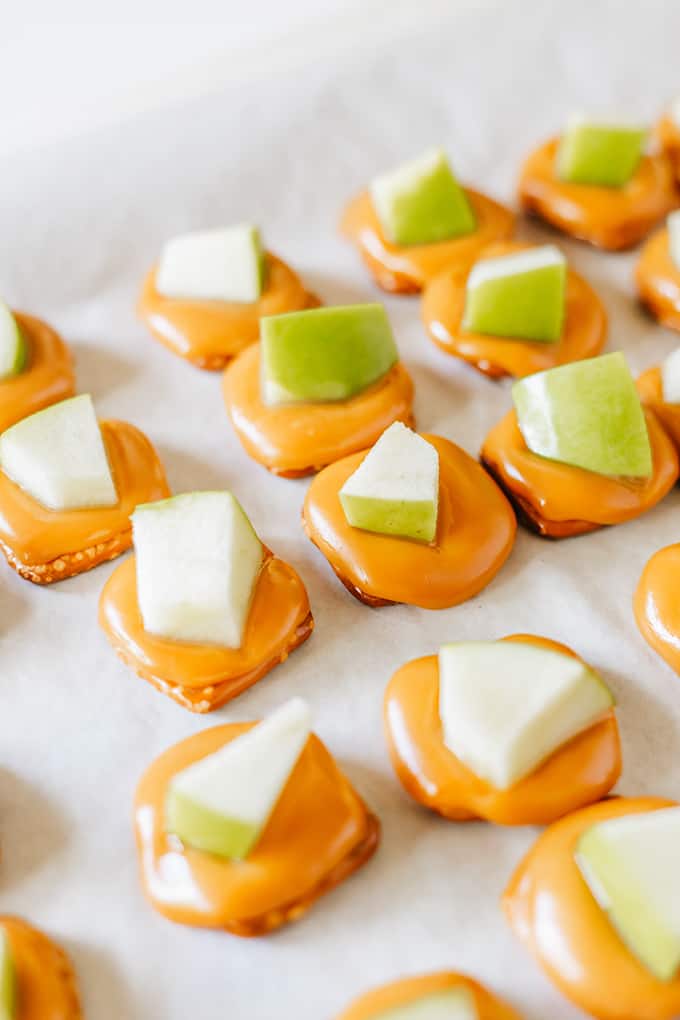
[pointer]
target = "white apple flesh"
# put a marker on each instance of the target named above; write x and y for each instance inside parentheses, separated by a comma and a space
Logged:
(197, 561)
(449, 1004)
(223, 802)
(673, 225)
(8, 990)
(12, 344)
(506, 706)
(670, 377)
(219, 265)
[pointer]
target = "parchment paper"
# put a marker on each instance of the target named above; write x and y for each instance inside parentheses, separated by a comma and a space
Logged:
(79, 224)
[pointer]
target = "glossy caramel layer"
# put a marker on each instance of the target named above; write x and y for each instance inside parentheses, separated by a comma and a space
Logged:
(582, 771)
(612, 218)
(407, 269)
(46, 984)
(410, 990)
(583, 334)
(554, 913)
(668, 135)
(47, 376)
(657, 605)
(298, 439)
(203, 677)
(45, 545)
(658, 280)
(558, 500)
(320, 831)
(210, 333)
(475, 533)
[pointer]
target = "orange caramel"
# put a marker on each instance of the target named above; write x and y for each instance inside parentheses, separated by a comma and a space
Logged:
(46, 984)
(406, 270)
(443, 307)
(46, 378)
(657, 606)
(410, 990)
(658, 280)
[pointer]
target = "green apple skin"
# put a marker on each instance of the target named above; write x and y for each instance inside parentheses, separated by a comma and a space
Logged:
(13, 347)
(451, 1004)
(325, 354)
(523, 305)
(421, 202)
(207, 830)
(673, 224)
(8, 981)
(415, 520)
(588, 415)
(598, 154)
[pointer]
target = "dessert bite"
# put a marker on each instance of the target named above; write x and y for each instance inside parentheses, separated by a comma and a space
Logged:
(414, 519)
(514, 309)
(243, 826)
(659, 389)
(415, 220)
(668, 135)
(37, 981)
(596, 902)
(440, 996)
(657, 273)
(68, 485)
(596, 183)
(578, 451)
(203, 610)
(205, 297)
(656, 606)
(518, 732)
(35, 366)
(320, 385)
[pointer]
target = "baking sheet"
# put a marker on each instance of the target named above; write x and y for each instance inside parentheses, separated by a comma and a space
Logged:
(79, 224)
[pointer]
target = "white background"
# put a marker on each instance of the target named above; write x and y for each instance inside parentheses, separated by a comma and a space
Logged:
(280, 124)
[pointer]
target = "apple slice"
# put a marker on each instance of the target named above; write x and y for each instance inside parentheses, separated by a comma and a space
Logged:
(223, 802)
(631, 865)
(587, 414)
(450, 1004)
(222, 265)
(395, 489)
(12, 344)
(670, 377)
(325, 354)
(600, 153)
(520, 295)
(198, 560)
(506, 706)
(673, 224)
(421, 202)
(58, 457)
(8, 991)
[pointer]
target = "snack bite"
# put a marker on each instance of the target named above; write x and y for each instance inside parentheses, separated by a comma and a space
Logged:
(320, 385)
(68, 485)
(514, 309)
(413, 520)
(441, 996)
(416, 219)
(578, 451)
(657, 273)
(518, 731)
(659, 389)
(596, 183)
(205, 297)
(595, 902)
(36, 976)
(203, 610)
(243, 826)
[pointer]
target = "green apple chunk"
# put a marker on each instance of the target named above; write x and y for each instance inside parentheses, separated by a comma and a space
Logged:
(8, 989)
(599, 153)
(12, 344)
(325, 354)
(631, 865)
(58, 457)
(673, 224)
(520, 295)
(450, 1004)
(506, 706)
(220, 265)
(223, 802)
(587, 414)
(670, 377)
(197, 560)
(421, 202)
(395, 489)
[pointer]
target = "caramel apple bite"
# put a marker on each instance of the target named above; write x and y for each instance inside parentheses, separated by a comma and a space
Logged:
(436, 996)
(36, 368)
(37, 981)
(657, 273)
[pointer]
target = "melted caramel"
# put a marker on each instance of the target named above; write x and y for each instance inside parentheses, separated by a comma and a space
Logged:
(657, 606)
(578, 773)
(407, 269)
(298, 439)
(612, 218)
(210, 333)
(402, 993)
(554, 913)
(203, 677)
(658, 280)
(46, 378)
(475, 533)
(319, 831)
(46, 986)
(668, 135)
(564, 500)
(583, 334)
